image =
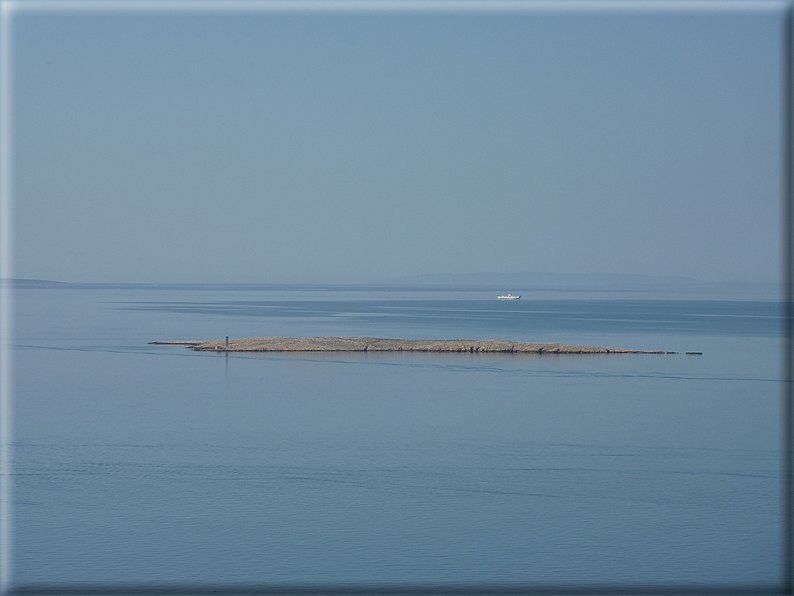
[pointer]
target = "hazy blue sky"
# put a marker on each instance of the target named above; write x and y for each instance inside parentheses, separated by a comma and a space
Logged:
(352, 147)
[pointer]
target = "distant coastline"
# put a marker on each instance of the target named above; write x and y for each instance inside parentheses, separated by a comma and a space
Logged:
(30, 283)
(531, 286)
(532, 283)
(375, 344)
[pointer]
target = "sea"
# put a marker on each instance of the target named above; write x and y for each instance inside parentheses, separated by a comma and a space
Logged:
(154, 465)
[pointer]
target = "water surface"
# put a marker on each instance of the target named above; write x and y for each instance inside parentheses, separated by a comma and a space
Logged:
(140, 463)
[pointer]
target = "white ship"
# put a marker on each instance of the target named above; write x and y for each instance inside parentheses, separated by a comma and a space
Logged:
(507, 297)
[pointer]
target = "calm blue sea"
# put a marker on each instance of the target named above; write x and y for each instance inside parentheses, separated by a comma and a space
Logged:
(137, 463)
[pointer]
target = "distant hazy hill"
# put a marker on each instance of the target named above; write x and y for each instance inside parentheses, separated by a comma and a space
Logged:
(30, 283)
(598, 282)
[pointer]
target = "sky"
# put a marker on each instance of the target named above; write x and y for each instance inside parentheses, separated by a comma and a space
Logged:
(355, 146)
